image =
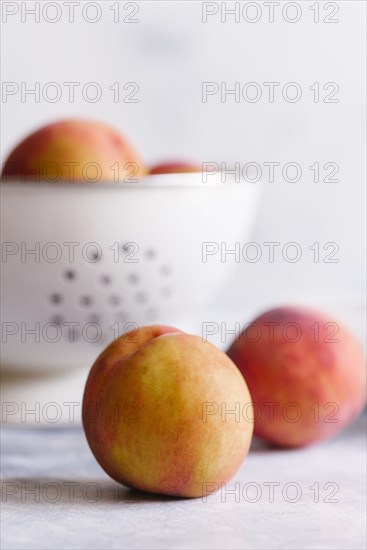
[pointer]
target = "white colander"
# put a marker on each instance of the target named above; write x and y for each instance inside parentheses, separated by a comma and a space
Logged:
(83, 263)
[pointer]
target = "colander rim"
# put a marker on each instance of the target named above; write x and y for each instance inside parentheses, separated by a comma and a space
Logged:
(154, 181)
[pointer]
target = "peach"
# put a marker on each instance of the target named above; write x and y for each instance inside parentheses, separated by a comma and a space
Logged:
(74, 150)
(167, 413)
(177, 167)
(306, 374)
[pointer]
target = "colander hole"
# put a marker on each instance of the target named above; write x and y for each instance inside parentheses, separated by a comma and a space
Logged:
(57, 320)
(133, 278)
(86, 301)
(94, 256)
(69, 275)
(165, 270)
(56, 298)
(105, 280)
(114, 300)
(94, 318)
(150, 253)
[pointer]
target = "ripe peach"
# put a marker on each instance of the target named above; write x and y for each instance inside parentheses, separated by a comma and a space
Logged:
(74, 150)
(177, 167)
(306, 375)
(167, 413)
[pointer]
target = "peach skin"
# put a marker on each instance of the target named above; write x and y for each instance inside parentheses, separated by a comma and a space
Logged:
(158, 413)
(74, 151)
(306, 374)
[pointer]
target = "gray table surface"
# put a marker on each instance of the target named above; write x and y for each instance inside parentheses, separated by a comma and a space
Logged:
(55, 496)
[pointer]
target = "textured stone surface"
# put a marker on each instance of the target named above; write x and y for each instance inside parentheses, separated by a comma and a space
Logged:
(43, 510)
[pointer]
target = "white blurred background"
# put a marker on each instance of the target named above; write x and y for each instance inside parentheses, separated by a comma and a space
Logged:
(168, 53)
